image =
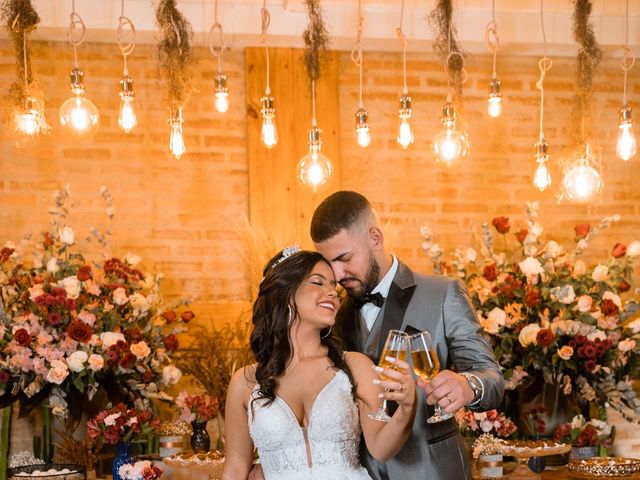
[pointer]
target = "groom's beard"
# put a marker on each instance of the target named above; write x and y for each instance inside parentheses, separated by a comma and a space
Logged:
(371, 279)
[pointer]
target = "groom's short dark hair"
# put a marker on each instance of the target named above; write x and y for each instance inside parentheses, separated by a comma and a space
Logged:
(340, 210)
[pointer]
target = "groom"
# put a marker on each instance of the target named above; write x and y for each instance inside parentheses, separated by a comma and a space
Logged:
(384, 294)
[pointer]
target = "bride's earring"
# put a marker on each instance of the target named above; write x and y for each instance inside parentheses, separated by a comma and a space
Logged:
(326, 334)
(290, 319)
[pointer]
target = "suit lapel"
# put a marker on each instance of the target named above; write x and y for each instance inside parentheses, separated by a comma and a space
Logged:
(396, 303)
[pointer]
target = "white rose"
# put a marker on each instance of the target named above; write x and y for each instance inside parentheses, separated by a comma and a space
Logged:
(52, 265)
(530, 266)
(584, 303)
(626, 345)
(596, 334)
(470, 255)
(490, 325)
(132, 259)
(564, 294)
(486, 425)
(633, 326)
(579, 268)
(498, 315)
(140, 349)
(72, 286)
(553, 249)
(67, 236)
(36, 291)
(139, 302)
(171, 374)
(582, 244)
(602, 427)
(58, 372)
(119, 296)
(600, 273)
(613, 297)
(633, 250)
(528, 334)
(96, 362)
(110, 338)
(577, 422)
(76, 361)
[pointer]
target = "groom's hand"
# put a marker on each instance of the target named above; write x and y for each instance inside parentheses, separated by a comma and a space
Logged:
(448, 389)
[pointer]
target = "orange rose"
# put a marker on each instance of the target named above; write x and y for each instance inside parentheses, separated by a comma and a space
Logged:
(619, 250)
(582, 230)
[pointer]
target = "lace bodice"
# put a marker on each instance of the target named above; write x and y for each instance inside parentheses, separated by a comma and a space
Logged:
(332, 437)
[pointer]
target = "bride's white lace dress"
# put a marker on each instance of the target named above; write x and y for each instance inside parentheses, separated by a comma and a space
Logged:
(326, 449)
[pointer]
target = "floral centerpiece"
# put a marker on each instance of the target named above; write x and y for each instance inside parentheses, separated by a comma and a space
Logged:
(70, 325)
(582, 433)
(142, 470)
(548, 314)
(197, 408)
(475, 424)
(121, 425)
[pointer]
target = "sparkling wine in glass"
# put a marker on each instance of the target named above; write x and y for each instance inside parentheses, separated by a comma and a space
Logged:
(394, 347)
(426, 365)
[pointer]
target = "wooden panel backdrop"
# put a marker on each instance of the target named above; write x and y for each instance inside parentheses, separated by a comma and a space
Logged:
(278, 205)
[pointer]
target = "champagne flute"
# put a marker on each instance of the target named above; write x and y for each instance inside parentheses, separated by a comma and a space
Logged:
(396, 347)
(426, 365)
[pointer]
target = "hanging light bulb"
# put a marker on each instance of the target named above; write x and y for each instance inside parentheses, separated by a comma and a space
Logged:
(626, 145)
(78, 115)
(176, 141)
(126, 114)
(314, 169)
(269, 131)
(450, 144)
(405, 134)
(221, 101)
(541, 177)
(363, 135)
(582, 182)
(29, 120)
(494, 106)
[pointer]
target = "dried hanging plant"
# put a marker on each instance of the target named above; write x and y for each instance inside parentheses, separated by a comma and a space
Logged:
(445, 42)
(78, 452)
(316, 39)
(589, 58)
(175, 55)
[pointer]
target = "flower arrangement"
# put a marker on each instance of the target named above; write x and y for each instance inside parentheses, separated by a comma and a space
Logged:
(197, 408)
(474, 424)
(70, 325)
(533, 421)
(547, 314)
(121, 425)
(487, 444)
(142, 470)
(583, 433)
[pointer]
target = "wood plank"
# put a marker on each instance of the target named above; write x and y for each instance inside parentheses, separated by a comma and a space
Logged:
(278, 205)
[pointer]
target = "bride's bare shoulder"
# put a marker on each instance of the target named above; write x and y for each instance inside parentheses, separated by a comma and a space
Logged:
(357, 361)
(243, 381)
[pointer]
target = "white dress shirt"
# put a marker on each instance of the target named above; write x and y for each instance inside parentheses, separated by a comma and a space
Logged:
(369, 311)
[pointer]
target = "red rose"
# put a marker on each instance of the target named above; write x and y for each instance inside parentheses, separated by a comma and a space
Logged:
(170, 316)
(590, 365)
(501, 224)
(79, 331)
(4, 377)
(531, 299)
(171, 342)
(5, 253)
(127, 360)
(522, 234)
(624, 286)
(22, 337)
(545, 337)
(134, 334)
(590, 351)
(607, 307)
(54, 319)
(48, 241)
(84, 273)
(582, 230)
(563, 430)
(187, 316)
(619, 250)
(490, 272)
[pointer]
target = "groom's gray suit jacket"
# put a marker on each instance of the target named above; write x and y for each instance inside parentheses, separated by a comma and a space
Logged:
(442, 306)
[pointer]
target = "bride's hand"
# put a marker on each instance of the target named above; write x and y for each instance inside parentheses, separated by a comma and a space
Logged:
(400, 383)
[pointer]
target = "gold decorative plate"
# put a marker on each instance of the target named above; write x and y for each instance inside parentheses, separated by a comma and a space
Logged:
(607, 467)
(533, 448)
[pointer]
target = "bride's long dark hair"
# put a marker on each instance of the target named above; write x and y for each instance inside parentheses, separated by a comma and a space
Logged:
(273, 312)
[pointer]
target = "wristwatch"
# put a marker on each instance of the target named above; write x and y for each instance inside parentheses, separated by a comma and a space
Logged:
(476, 386)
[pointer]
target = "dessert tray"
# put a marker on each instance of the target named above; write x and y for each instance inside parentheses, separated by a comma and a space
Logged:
(607, 467)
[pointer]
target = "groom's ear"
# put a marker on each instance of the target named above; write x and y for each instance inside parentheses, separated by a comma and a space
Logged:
(376, 238)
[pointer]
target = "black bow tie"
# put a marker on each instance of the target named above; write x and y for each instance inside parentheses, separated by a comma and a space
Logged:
(376, 298)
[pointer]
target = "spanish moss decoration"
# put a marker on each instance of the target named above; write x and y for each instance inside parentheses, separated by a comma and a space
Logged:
(175, 55)
(316, 39)
(589, 57)
(445, 42)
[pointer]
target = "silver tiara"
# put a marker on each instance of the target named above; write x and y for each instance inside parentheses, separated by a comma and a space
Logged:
(286, 253)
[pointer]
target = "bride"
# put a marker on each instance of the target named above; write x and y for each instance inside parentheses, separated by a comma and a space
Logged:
(305, 402)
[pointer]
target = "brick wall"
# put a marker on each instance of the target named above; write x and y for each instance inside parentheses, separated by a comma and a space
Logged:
(184, 217)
